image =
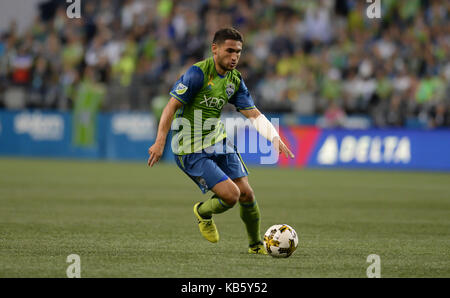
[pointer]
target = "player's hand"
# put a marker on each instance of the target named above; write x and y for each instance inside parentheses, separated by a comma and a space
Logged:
(155, 152)
(281, 147)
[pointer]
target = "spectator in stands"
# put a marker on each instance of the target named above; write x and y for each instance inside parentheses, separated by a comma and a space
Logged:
(439, 116)
(334, 115)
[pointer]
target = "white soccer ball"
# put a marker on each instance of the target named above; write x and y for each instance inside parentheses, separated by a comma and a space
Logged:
(280, 241)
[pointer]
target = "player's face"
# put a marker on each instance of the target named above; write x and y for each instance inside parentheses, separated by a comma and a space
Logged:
(227, 54)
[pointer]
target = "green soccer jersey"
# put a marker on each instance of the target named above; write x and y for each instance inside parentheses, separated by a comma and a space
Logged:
(204, 93)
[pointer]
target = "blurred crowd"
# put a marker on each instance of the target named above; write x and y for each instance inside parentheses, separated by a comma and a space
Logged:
(312, 57)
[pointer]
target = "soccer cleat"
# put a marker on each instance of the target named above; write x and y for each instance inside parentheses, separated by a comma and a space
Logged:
(257, 249)
(207, 227)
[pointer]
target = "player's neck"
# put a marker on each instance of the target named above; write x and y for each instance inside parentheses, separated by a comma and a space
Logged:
(221, 71)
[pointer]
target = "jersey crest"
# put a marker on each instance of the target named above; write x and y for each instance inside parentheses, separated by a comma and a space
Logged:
(230, 90)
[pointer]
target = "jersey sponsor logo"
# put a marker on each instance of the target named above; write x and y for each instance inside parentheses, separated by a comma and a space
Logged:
(181, 89)
(230, 90)
(213, 102)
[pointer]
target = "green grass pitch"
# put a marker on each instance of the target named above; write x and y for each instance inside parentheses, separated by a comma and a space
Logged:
(128, 220)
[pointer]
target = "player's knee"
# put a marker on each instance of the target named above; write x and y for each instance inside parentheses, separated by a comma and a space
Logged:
(247, 195)
(232, 196)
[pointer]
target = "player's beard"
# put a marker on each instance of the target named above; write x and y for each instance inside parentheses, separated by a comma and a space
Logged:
(226, 67)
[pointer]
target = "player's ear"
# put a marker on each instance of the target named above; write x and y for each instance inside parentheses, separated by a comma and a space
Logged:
(214, 48)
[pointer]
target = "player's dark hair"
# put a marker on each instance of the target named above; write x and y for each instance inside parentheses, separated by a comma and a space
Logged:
(227, 33)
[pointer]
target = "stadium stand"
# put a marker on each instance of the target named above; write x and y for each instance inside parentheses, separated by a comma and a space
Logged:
(305, 58)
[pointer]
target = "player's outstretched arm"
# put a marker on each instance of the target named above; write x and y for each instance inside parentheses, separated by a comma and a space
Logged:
(157, 149)
(266, 129)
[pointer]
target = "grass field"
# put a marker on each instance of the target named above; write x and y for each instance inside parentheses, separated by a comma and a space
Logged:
(128, 220)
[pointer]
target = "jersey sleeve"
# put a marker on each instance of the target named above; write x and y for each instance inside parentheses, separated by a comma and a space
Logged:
(242, 100)
(188, 85)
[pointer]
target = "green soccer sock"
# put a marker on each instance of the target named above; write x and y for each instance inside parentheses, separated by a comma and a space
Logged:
(213, 205)
(251, 217)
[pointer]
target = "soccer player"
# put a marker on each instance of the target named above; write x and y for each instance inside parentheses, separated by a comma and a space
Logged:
(197, 99)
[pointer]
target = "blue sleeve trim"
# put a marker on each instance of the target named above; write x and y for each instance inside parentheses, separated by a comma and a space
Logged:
(177, 98)
(248, 108)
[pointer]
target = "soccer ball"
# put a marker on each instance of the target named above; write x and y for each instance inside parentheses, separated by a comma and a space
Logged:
(280, 241)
